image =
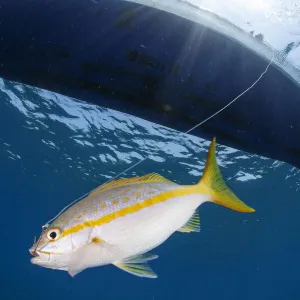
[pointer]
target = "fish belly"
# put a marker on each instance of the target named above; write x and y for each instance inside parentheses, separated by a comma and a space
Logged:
(141, 231)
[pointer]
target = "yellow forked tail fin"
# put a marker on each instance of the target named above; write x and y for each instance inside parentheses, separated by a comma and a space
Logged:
(213, 182)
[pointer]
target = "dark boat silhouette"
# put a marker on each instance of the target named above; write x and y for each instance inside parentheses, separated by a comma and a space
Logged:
(154, 65)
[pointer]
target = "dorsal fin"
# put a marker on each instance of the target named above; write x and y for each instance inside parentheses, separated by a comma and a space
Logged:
(152, 177)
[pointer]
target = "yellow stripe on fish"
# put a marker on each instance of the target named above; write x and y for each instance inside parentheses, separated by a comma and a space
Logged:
(120, 222)
(211, 183)
(131, 209)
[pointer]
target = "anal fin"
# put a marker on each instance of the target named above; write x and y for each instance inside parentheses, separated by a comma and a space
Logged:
(141, 258)
(192, 225)
(138, 265)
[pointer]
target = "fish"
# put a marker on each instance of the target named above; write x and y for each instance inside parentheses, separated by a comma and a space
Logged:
(120, 222)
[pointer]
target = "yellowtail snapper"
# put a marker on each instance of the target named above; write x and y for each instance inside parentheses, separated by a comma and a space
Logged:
(121, 221)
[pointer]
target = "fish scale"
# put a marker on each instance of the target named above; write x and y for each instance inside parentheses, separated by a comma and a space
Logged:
(119, 222)
(102, 203)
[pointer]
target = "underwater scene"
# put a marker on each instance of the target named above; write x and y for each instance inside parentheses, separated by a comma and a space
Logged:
(55, 149)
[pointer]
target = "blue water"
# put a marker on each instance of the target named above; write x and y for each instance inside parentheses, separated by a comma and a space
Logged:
(54, 149)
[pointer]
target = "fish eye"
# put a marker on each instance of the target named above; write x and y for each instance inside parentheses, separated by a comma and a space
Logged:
(53, 234)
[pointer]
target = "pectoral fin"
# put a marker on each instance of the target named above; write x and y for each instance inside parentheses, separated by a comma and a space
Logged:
(90, 255)
(138, 265)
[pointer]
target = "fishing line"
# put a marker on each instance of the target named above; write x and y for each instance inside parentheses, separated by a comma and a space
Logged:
(186, 132)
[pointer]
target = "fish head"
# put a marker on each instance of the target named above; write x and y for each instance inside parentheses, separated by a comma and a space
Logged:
(55, 246)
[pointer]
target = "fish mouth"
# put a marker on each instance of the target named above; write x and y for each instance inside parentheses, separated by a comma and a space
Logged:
(41, 259)
(33, 252)
(38, 256)
(48, 260)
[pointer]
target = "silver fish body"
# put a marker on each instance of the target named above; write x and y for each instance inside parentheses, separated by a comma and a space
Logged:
(120, 222)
